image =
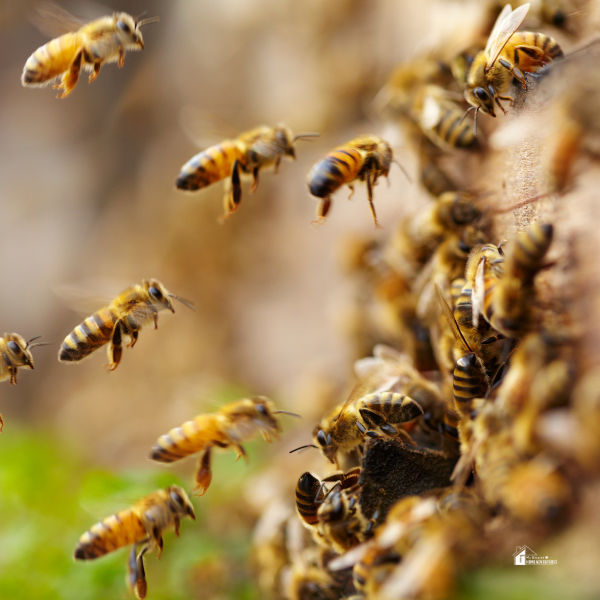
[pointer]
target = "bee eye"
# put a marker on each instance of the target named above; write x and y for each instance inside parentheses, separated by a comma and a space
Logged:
(123, 27)
(321, 438)
(463, 246)
(14, 347)
(177, 498)
(481, 93)
(155, 292)
(262, 409)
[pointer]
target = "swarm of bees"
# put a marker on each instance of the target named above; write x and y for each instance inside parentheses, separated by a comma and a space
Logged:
(448, 426)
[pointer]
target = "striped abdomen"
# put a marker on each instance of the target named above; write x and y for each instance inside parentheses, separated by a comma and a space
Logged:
(452, 128)
(341, 166)
(90, 335)
(309, 496)
(388, 407)
(51, 60)
(469, 382)
(529, 251)
(463, 308)
(112, 533)
(211, 165)
(521, 53)
(188, 439)
(490, 281)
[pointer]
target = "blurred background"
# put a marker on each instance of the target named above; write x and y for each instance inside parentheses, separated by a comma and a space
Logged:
(88, 201)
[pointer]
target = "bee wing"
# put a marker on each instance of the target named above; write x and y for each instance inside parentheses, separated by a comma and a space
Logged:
(204, 128)
(54, 21)
(451, 320)
(478, 295)
(508, 22)
(81, 299)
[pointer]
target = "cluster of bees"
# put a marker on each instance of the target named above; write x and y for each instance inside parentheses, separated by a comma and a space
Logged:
(442, 434)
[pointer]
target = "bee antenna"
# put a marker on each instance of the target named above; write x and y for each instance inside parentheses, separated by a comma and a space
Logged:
(403, 170)
(302, 447)
(183, 301)
(285, 412)
(302, 136)
(147, 21)
(39, 344)
(37, 337)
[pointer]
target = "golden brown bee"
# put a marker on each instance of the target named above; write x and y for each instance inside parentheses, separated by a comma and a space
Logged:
(507, 55)
(233, 424)
(347, 425)
(15, 352)
(141, 525)
(125, 315)
(365, 158)
(104, 40)
(252, 151)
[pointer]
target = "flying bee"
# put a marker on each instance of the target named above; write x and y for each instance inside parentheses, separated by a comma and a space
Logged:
(233, 424)
(141, 525)
(507, 55)
(252, 151)
(365, 158)
(104, 40)
(15, 352)
(125, 315)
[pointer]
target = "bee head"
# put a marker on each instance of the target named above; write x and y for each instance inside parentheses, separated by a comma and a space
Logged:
(325, 444)
(265, 413)
(181, 501)
(128, 32)
(18, 351)
(481, 98)
(158, 295)
(385, 157)
(284, 139)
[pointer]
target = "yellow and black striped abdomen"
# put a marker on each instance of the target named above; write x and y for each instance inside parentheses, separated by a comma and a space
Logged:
(452, 128)
(188, 439)
(529, 251)
(51, 60)
(469, 382)
(309, 496)
(114, 532)
(489, 285)
(211, 165)
(341, 166)
(529, 50)
(90, 335)
(393, 407)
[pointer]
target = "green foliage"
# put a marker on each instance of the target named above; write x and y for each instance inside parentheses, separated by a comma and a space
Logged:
(49, 497)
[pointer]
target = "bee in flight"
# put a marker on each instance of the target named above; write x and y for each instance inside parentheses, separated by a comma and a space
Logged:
(365, 158)
(125, 315)
(141, 525)
(90, 45)
(233, 424)
(252, 151)
(15, 352)
(507, 55)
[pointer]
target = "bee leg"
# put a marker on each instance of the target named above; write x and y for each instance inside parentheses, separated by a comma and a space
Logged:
(69, 79)
(276, 165)
(94, 74)
(254, 180)
(266, 436)
(203, 474)
(351, 188)
(13, 375)
(516, 73)
(159, 541)
(233, 191)
(137, 572)
(115, 348)
(370, 198)
(1, 423)
(322, 210)
(241, 452)
(121, 57)
(500, 105)
(155, 319)
(134, 338)
(177, 523)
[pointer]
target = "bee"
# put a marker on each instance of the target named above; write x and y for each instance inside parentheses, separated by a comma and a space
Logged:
(125, 315)
(252, 151)
(141, 525)
(104, 40)
(365, 158)
(233, 424)
(345, 427)
(504, 296)
(440, 118)
(507, 55)
(15, 352)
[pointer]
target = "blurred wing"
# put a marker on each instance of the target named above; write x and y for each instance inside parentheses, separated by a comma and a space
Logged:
(451, 320)
(204, 128)
(81, 299)
(497, 26)
(54, 21)
(503, 31)
(478, 295)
